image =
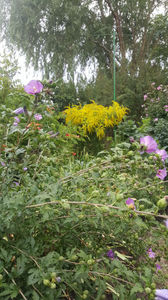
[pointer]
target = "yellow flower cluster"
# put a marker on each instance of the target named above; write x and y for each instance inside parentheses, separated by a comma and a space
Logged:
(95, 118)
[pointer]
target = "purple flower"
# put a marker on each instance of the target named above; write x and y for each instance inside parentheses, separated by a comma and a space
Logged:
(110, 254)
(17, 183)
(15, 124)
(166, 106)
(33, 87)
(149, 143)
(166, 223)
(158, 267)
(159, 88)
(161, 173)
(161, 294)
(17, 119)
(130, 203)
(19, 110)
(2, 164)
(151, 100)
(38, 117)
(166, 109)
(150, 253)
(25, 168)
(162, 153)
(156, 119)
(58, 279)
(153, 83)
(145, 97)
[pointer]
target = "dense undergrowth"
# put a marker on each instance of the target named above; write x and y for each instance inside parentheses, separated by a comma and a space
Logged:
(67, 230)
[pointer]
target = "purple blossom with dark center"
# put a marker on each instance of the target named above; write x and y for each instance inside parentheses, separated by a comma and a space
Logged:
(166, 223)
(110, 254)
(162, 153)
(158, 267)
(161, 173)
(161, 294)
(33, 87)
(130, 203)
(148, 144)
(150, 253)
(38, 117)
(19, 110)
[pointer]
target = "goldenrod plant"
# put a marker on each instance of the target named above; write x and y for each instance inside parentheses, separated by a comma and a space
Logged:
(94, 117)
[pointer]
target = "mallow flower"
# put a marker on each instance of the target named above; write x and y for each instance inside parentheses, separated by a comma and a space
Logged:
(161, 294)
(33, 87)
(162, 153)
(150, 253)
(19, 110)
(161, 173)
(110, 254)
(148, 144)
(38, 117)
(130, 203)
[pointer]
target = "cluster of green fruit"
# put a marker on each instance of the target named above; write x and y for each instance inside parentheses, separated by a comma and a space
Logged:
(52, 282)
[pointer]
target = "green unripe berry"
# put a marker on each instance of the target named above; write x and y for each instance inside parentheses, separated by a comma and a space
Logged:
(148, 290)
(73, 257)
(153, 286)
(53, 275)
(61, 258)
(46, 282)
(162, 203)
(1, 276)
(90, 262)
(52, 285)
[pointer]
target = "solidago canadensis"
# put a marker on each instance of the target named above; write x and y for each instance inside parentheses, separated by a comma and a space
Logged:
(94, 117)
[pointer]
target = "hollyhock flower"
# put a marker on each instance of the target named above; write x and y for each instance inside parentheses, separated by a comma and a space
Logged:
(162, 153)
(158, 267)
(38, 117)
(149, 143)
(166, 223)
(130, 203)
(110, 254)
(161, 294)
(145, 97)
(161, 173)
(150, 253)
(33, 87)
(19, 110)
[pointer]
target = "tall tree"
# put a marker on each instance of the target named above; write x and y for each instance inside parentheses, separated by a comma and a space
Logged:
(59, 34)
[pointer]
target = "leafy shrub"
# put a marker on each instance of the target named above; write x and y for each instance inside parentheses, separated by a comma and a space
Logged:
(66, 230)
(156, 108)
